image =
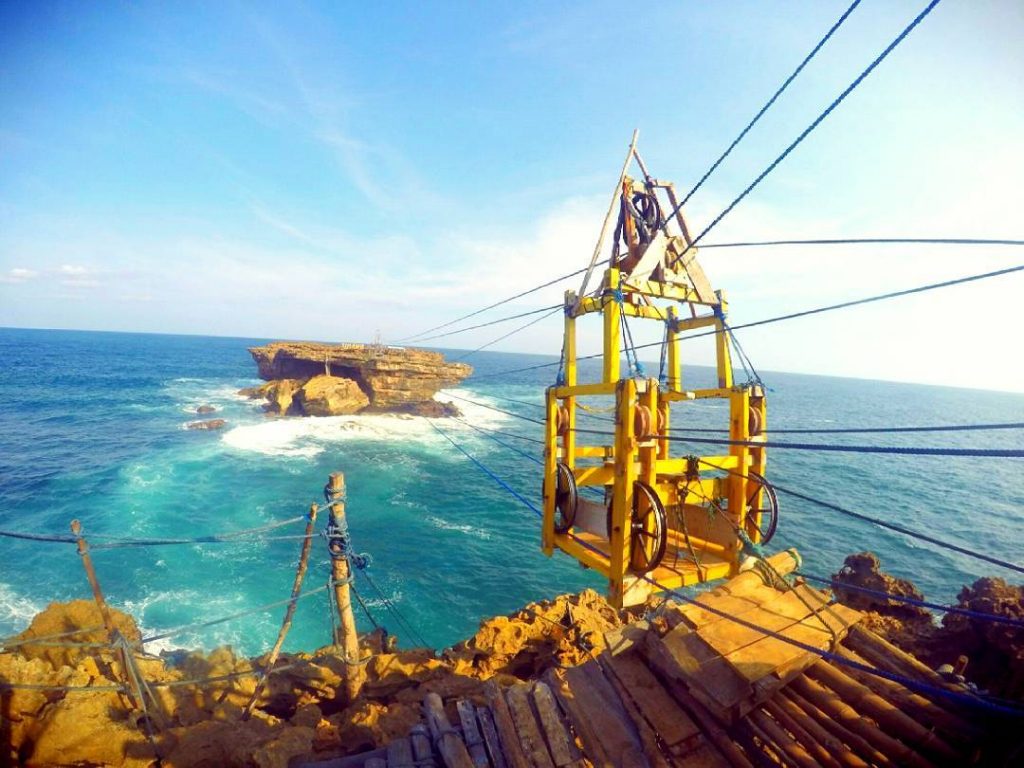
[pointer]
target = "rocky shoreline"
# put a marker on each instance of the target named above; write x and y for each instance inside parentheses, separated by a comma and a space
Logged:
(314, 379)
(303, 711)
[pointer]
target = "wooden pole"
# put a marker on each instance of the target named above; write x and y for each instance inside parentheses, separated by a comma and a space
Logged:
(289, 614)
(90, 573)
(341, 572)
(113, 636)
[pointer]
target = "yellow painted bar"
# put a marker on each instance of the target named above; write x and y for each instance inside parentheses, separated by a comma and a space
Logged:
(678, 466)
(722, 356)
(595, 475)
(569, 441)
(622, 498)
(665, 291)
(612, 333)
(678, 539)
(675, 360)
(736, 485)
(693, 323)
(583, 390)
(547, 527)
(594, 451)
(643, 311)
(585, 555)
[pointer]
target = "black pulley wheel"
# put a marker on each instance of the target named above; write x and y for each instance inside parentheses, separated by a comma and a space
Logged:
(567, 498)
(761, 516)
(647, 529)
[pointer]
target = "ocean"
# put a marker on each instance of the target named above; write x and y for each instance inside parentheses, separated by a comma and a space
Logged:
(92, 427)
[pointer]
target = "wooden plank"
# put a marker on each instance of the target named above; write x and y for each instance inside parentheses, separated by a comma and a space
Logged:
(400, 754)
(559, 744)
(422, 750)
(449, 745)
(648, 736)
(584, 729)
(471, 734)
(490, 734)
(682, 655)
(769, 654)
(534, 747)
(673, 726)
(506, 728)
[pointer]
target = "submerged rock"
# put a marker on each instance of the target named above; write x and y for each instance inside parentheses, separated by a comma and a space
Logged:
(206, 424)
(206, 409)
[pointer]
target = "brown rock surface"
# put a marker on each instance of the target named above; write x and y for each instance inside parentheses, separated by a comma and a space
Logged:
(206, 409)
(390, 376)
(59, 618)
(331, 396)
(280, 396)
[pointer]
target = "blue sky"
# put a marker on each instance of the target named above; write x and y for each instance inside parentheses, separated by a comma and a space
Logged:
(327, 170)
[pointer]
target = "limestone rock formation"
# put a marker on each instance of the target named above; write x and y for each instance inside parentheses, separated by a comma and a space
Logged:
(390, 379)
(331, 396)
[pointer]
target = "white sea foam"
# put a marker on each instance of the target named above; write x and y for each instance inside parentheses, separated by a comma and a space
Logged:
(446, 525)
(15, 611)
(308, 437)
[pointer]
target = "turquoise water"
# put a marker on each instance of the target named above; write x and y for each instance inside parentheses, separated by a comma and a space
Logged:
(91, 426)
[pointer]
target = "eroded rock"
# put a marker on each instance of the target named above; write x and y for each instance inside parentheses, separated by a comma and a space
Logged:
(331, 396)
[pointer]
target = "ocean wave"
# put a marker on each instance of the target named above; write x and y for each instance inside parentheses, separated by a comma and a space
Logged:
(305, 437)
(16, 611)
(446, 525)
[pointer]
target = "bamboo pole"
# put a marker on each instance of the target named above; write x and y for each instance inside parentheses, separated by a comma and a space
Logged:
(856, 743)
(833, 705)
(792, 749)
(607, 217)
(341, 573)
(883, 712)
(113, 635)
(289, 614)
(923, 708)
(449, 745)
(825, 748)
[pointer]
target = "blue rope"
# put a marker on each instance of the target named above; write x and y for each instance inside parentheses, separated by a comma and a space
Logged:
(767, 106)
(493, 476)
(1000, 453)
(913, 601)
(835, 658)
(807, 131)
(900, 529)
(876, 430)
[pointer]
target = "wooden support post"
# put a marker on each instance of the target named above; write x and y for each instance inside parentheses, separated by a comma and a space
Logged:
(289, 614)
(675, 359)
(612, 333)
(547, 527)
(452, 749)
(113, 635)
(341, 573)
(622, 498)
(569, 441)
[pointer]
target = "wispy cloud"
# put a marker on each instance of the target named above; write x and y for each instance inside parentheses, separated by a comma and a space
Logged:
(18, 275)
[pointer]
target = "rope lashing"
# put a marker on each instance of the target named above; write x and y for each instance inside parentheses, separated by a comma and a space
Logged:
(337, 536)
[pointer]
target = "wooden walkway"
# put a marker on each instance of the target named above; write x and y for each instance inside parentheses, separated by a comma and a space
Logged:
(696, 689)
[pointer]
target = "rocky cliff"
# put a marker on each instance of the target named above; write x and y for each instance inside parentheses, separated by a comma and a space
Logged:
(314, 379)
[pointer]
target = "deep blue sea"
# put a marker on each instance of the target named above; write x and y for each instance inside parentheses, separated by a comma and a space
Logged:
(91, 427)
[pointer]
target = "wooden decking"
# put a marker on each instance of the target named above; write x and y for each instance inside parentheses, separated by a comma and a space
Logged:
(691, 688)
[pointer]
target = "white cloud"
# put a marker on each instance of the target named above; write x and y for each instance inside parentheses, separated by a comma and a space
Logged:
(17, 275)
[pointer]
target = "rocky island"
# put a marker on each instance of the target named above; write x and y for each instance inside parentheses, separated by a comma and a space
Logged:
(316, 379)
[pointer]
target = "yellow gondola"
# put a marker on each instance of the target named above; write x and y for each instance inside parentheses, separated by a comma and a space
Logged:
(673, 520)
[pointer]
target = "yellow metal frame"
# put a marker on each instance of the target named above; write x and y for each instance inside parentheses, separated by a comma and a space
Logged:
(696, 527)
